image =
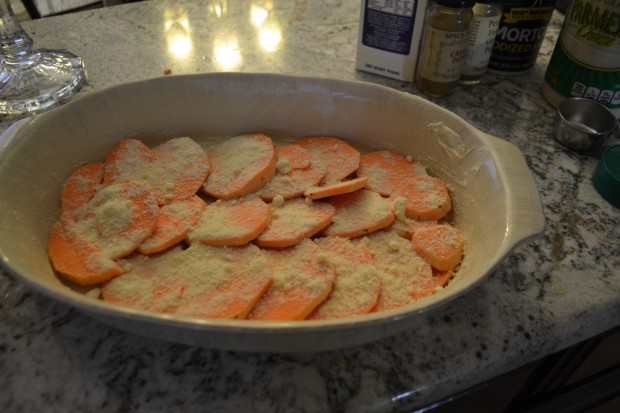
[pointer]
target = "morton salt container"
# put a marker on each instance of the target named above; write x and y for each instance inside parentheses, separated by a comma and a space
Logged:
(586, 58)
(520, 35)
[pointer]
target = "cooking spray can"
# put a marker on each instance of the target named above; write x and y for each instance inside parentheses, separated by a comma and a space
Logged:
(520, 35)
(586, 58)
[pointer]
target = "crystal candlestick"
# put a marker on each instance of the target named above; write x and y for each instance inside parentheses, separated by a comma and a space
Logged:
(33, 80)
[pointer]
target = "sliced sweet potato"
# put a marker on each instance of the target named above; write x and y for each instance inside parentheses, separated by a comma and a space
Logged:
(112, 225)
(357, 284)
(386, 170)
(340, 158)
(294, 221)
(180, 168)
(232, 222)
(441, 246)
(297, 170)
(302, 279)
(173, 223)
(76, 258)
(441, 278)
(427, 198)
(175, 169)
(121, 217)
(340, 188)
(127, 161)
(81, 186)
(373, 253)
(240, 165)
(405, 276)
(291, 157)
(200, 281)
(359, 213)
(403, 225)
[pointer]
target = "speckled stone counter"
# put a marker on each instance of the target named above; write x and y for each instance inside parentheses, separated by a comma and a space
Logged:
(545, 296)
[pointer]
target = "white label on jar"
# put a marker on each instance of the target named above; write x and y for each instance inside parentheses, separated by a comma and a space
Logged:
(443, 56)
(388, 25)
(399, 7)
(480, 44)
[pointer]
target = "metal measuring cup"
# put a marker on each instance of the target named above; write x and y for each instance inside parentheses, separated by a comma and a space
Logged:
(583, 124)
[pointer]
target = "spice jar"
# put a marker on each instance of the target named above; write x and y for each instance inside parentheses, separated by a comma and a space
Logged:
(482, 31)
(444, 45)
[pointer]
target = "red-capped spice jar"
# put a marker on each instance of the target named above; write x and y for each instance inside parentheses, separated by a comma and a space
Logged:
(444, 46)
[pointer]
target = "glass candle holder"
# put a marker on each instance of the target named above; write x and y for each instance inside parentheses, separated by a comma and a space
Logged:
(33, 80)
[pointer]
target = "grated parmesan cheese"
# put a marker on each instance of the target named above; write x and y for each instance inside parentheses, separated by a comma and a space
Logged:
(300, 283)
(198, 281)
(405, 276)
(283, 166)
(357, 284)
(330, 276)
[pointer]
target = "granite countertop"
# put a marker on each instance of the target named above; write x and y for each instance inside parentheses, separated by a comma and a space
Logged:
(547, 295)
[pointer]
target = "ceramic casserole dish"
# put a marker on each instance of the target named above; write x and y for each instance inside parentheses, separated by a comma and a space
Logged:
(496, 203)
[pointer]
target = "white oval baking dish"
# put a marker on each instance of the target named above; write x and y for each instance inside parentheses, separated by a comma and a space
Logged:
(497, 204)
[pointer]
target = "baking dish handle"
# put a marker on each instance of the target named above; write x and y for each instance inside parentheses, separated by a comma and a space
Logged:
(525, 215)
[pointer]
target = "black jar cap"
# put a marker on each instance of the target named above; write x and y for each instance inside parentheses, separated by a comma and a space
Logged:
(456, 4)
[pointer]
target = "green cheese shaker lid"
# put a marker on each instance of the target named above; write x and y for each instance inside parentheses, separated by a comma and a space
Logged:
(606, 177)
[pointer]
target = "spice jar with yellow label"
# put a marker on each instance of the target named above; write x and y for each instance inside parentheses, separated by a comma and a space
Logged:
(444, 46)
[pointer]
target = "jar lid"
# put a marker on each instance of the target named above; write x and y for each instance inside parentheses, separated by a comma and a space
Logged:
(456, 4)
(606, 177)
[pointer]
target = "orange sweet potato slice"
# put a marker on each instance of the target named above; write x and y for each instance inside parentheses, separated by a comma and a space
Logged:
(291, 157)
(231, 222)
(127, 161)
(200, 281)
(340, 158)
(121, 217)
(173, 223)
(181, 167)
(148, 282)
(442, 246)
(302, 279)
(294, 221)
(426, 197)
(76, 258)
(296, 171)
(340, 188)
(112, 225)
(81, 186)
(175, 169)
(405, 276)
(406, 228)
(240, 165)
(359, 213)
(403, 225)
(386, 170)
(441, 278)
(357, 285)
